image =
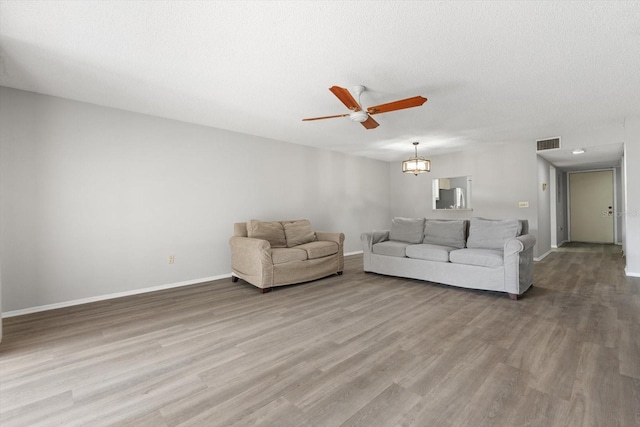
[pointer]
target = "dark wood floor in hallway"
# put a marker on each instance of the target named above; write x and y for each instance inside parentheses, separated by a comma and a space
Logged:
(353, 350)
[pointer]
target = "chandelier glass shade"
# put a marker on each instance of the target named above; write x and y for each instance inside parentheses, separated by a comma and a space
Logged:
(416, 164)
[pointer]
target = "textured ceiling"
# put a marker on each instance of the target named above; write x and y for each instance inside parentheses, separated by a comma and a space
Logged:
(494, 72)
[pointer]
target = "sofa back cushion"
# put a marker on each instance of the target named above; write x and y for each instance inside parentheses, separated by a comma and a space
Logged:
(450, 233)
(524, 224)
(298, 232)
(272, 231)
(408, 230)
(492, 233)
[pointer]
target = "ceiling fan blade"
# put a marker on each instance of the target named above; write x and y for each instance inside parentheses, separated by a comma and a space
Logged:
(416, 101)
(325, 117)
(370, 123)
(343, 95)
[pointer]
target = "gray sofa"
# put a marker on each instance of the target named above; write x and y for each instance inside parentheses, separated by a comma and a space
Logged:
(276, 253)
(495, 255)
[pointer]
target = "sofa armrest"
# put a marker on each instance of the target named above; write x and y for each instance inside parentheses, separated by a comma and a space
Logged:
(331, 237)
(249, 243)
(372, 237)
(368, 240)
(250, 256)
(518, 264)
(519, 244)
(337, 238)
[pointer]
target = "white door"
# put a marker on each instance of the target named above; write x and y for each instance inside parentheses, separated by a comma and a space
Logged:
(591, 206)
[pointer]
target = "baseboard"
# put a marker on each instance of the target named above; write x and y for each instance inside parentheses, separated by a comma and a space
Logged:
(540, 258)
(40, 308)
(631, 273)
(557, 246)
(112, 296)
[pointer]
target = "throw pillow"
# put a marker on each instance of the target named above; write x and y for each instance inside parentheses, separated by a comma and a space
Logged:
(272, 231)
(491, 233)
(445, 233)
(408, 230)
(298, 232)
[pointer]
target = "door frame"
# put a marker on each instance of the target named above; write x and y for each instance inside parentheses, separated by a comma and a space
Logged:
(615, 201)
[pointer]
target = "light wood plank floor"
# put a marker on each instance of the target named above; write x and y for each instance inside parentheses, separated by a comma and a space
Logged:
(352, 350)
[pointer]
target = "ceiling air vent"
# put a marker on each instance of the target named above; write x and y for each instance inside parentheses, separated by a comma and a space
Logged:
(548, 144)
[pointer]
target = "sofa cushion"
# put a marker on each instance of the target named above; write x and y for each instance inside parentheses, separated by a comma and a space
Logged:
(298, 232)
(408, 230)
(523, 227)
(319, 249)
(390, 248)
(272, 231)
(429, 252)
(445, 233)
(492, 234)
(483, 257)
(282, 255)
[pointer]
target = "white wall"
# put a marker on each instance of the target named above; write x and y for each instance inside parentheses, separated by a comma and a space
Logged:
(632, 199)
(622, 207)
(0, 303)
(562, 231)
(94, 199)
(543, 243)
(502, 175)
(618, 205)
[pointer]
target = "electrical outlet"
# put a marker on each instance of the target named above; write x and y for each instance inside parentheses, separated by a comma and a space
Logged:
(171, 259)
(523, 204)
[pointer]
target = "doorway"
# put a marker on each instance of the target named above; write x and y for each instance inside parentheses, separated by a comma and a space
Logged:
(591, 207)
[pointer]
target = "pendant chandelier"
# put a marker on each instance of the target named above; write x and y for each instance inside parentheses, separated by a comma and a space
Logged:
(416, 165)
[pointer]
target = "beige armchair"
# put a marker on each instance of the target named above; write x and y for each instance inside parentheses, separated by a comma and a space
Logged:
(276, 253)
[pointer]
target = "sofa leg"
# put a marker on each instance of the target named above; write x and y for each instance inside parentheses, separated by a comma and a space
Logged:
(514, 297)
(265, 290)
(339, 273)
(234, 279)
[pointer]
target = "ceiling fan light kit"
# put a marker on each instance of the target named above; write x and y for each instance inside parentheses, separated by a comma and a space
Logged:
(416, 164)
(360, 115)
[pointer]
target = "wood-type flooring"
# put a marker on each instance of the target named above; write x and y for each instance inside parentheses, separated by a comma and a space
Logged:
(353, 350)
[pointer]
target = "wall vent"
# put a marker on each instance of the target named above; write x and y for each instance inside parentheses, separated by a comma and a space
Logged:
(548, 144)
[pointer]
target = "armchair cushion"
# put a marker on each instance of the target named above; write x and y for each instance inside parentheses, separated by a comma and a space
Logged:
(273, 232)
(298, 232)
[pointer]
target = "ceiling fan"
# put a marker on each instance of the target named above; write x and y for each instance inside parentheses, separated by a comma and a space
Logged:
(357, 114)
